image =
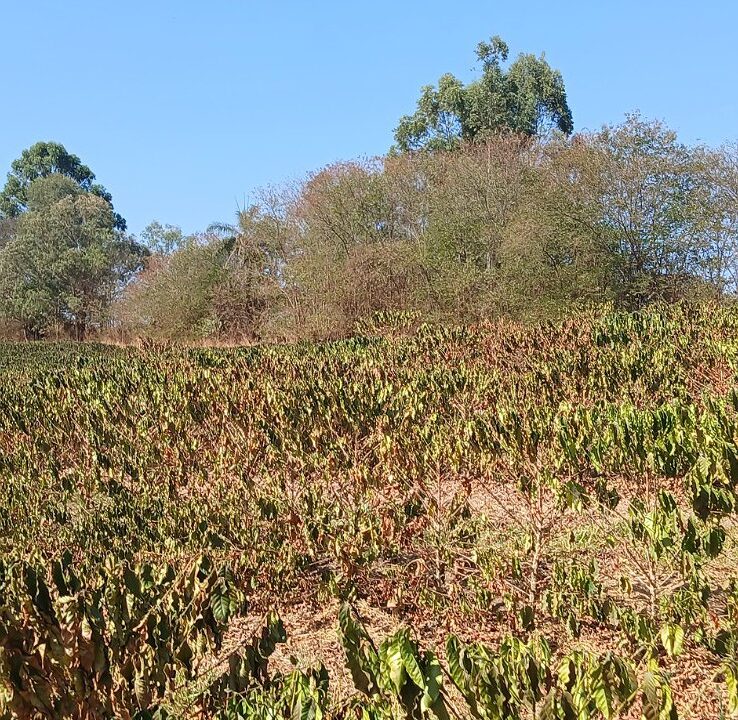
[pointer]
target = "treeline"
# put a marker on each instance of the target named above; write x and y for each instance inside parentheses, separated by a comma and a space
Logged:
(486, 206)
(504, 226)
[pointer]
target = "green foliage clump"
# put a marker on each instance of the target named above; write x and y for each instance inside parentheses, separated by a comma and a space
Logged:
(527, 98)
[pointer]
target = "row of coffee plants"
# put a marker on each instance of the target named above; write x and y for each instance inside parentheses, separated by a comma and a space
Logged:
(148, 642)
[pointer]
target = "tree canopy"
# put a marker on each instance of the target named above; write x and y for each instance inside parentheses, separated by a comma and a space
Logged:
(42, 160)
(162, 239)
(528, 97)
(65, 260)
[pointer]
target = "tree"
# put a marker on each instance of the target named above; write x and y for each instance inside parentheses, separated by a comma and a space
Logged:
(66, 260)
(719, 200)
(528, 98)
(646, 189)
(42, 160)
(254, 279)
(627, 214)
(351, 260)
(163, 239)
(173, 297)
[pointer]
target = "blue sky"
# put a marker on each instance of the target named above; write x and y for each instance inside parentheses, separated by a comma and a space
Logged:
(183, 108)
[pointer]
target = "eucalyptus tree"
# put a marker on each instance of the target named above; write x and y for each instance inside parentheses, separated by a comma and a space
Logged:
(66, 259)
(41, 160)
(527, 97)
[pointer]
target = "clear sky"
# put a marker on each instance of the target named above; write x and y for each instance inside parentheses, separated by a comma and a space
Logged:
(182, 107)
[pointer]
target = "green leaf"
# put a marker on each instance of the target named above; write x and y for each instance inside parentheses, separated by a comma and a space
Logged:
(390, 654)
(222, 603)
(672, 638)
(602, 695)
(132, 582)
(433, 681)
(730, 670)
(456, 669)
(361, 659)
(410, 661)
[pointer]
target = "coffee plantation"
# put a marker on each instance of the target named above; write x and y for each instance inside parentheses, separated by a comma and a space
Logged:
(498, 521)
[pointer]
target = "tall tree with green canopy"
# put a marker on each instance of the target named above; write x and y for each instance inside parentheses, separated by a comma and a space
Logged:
(66, 259)
(41, 160)
(528, 97)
